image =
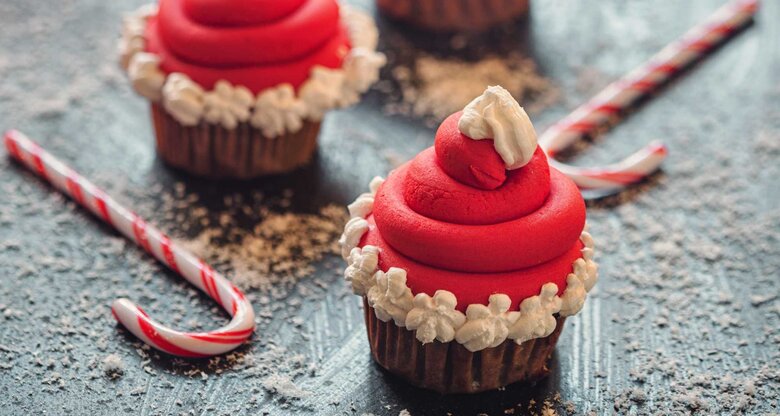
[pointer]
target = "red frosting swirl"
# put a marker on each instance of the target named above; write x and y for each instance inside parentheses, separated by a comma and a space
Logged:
(455, 222)
(257, 44)
(239, 13)
(471, 288)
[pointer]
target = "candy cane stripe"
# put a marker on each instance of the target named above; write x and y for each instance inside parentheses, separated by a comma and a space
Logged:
(723, 30)
(622, 177)
(219, 340)
(582, 126)
(100, 202)
(35, 152)
(10, 144)
(214, 288)
(700, 46)
(165, 244)
(236, 291)
(207, 278)
(163, 344)
(607, 108)
(241, 333)
(666, 69)
(139, 230)
(205, 273)
(73, 188)
(642, 85)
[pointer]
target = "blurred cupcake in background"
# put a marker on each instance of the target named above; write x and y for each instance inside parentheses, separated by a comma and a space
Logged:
(239, 89)
(454, 15)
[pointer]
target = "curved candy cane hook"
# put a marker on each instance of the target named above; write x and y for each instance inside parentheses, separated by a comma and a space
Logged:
(618, 175)
(193, 344)
(156, 243)
(620, 95)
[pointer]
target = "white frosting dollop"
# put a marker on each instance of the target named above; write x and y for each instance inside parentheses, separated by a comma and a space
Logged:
(361, 70)
(390, 297)
(435, 317)
(363, 33)
(358, 211)
(133, 28)
(227, 105)
(536, 318)
(362, 266)
(322, 91)
(573, 298)
(353, 232)
(278, 111)
(496, 115)
(487, 326)
(145, 75)
(591, 267)
(183, 99)
(581, 280)
(362, 207)
(375, 183)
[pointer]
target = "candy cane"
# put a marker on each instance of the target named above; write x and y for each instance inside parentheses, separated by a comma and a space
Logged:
(621, 94)
(156, 243)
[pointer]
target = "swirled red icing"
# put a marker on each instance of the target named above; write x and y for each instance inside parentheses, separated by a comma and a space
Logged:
(258, 44)
(454, 221)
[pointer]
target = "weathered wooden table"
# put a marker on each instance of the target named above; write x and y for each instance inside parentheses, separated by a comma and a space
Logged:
(684, 319)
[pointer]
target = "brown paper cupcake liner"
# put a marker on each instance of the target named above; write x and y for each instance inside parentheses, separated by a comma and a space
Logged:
(454, 15)
(244, 152)
(450, 367)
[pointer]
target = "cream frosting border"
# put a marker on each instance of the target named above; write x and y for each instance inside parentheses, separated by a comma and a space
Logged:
(482, 326)
(276, 110)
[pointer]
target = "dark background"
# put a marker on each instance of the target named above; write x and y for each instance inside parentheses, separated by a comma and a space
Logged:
(683, 320)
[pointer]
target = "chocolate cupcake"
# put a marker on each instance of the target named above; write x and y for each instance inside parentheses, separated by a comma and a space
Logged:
(454, 15)
(239, 89)
(471, 256)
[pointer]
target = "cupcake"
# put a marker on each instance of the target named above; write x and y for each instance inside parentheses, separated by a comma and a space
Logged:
(238, 89)
(449, 15)
(470, 257)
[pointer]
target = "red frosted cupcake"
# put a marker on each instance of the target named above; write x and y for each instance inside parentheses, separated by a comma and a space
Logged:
(470, 256)
(454, 15)
(238, 89)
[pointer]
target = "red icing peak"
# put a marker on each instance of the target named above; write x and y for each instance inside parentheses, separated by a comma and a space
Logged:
(472, 162)
(239, 12)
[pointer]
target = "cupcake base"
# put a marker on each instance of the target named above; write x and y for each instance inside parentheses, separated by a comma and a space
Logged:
(450, 367)
(452, 15)
(244, 152)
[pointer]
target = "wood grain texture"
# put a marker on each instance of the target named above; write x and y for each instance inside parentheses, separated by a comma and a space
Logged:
(684, 319)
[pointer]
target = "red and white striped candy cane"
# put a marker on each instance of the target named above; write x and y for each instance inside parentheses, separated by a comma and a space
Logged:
(624, 92)
(156, 243)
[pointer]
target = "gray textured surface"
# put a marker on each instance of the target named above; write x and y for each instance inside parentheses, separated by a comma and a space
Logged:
(684, 319)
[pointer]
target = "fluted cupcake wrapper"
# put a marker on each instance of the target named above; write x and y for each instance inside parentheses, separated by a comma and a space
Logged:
(244, 152)
(452, 15)
(450, 367)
